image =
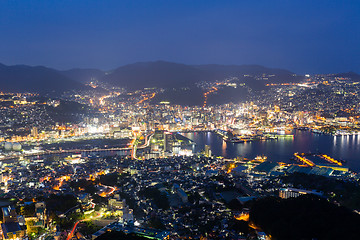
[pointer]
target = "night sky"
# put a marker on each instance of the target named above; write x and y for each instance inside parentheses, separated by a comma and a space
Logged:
(302, 36)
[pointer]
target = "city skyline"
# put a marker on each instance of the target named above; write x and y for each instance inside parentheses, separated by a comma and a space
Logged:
(167, 120)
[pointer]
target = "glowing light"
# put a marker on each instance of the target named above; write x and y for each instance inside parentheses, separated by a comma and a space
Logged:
(242, 217)
(304, 160)
(330, 159)
(207, 93)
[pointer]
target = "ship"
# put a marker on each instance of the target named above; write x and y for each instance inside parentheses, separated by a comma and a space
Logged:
(233, 140)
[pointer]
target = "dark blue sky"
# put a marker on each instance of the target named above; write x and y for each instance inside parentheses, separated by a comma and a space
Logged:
(303, 36)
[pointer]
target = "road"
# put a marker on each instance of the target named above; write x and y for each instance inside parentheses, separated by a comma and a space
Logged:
(145, 145)
(75, 225)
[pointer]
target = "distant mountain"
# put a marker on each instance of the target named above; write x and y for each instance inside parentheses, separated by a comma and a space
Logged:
(242, 69)
(354, 76)
(161, 74)
(195, 96)
(156, 74)
(84, 75)
(173, 75)
(22, 78)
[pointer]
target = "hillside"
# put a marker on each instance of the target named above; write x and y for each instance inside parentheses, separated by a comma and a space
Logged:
(352, 75)
(242, 70)
(159, 74)
(22, 78)
(156, 74)
(174, 75)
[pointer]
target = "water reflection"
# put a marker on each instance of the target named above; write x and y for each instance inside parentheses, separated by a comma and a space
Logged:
(342, 148)
(223, 148)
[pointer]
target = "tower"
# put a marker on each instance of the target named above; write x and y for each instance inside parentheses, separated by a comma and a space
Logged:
(207, 151)
(34, 132)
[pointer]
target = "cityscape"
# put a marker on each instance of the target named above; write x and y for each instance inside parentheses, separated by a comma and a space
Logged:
(159, 149)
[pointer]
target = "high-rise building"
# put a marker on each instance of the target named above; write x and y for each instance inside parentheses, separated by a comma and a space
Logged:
(207, 151)
(34, 132)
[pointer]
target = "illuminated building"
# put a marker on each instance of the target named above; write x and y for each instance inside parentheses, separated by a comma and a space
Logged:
(207, 151)
(34, 132)
(294, 192)
(10, 227)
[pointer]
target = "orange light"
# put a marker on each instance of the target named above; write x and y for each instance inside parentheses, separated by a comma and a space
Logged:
(304, 160)
(243, 217)
(330, 159)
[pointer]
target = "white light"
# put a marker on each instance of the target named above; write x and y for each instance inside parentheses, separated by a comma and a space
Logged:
(95, 129)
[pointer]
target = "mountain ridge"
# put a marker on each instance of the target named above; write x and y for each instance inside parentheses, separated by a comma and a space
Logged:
(161, 74)
(40, 79)
(164, 74)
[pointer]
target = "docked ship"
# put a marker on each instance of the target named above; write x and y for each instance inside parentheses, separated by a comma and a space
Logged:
(234, 140)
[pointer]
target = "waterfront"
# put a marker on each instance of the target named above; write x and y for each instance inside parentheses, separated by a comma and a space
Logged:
(89, 144)
(345, 148)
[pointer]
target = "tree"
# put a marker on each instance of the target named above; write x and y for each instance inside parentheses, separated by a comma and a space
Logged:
(304, 217)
